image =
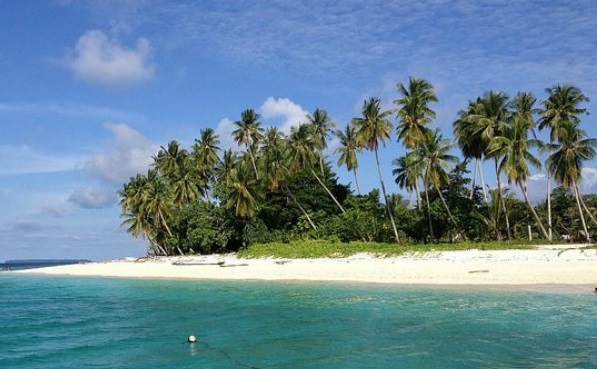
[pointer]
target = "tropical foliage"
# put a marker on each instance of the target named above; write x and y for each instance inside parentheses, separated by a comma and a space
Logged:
(281, 188)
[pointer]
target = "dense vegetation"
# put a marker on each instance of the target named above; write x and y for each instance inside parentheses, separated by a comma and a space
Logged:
(282, 188)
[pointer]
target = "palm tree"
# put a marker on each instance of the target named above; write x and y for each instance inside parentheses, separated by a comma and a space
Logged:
(205, 155)
(302, 155)
(242, 194)
(249, 133)
(407, 171)
(322, 125)
(513, 150)
(348, 149)
(433, 155)
(414, 112)
(471, 143)
(226, 167)
(372, 128)
(276, 166)
(562, 107)
(523, 106)
(490, 119)
(567, 158)
(169, 160)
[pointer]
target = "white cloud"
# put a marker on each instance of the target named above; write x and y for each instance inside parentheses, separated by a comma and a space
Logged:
(588, 183)
(93, 198)
(127, 154)
(97, 58)
(291, 113)
(224, 131)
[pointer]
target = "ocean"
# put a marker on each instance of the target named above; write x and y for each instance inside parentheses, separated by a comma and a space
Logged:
(73, 322)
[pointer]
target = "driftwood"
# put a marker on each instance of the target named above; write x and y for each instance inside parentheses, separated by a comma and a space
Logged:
(220, 263)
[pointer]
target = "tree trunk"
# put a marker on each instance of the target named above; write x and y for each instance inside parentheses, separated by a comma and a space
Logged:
(418, 194)
(483, 181)
(585, 206)
(450, 213)
(428, 209)
(473, 182)
(503, 202)
(383, 190)
(549, 221)
(253, 161)
(523, 188)
(156, 245)
(163, 220)
(328, 191)
(582, 217)
(300, 207)
(356, 181)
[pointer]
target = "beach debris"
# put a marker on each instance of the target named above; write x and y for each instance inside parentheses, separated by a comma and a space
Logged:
(220, 263)
(479, 271)
(233, 265)
(192, 339)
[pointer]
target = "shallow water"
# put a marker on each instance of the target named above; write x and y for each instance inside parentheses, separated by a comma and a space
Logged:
(68, 322)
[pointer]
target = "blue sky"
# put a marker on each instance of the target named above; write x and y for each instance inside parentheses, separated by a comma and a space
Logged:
(90, 89)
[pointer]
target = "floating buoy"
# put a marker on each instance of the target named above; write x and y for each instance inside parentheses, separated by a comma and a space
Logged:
(192, 339)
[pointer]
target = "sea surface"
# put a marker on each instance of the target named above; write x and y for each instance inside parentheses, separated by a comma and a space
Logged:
(73, 322)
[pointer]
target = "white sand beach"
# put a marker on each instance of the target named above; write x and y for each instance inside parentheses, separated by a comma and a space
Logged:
(544, 266)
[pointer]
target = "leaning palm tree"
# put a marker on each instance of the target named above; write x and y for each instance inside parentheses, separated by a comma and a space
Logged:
(348, 149)
(407, 171)
(372, 128)
(322, 126)
(561, 108)
(433, 154)
(301, 146)
(249, 133)
(414, 112)
(567, 159)
(513, 150)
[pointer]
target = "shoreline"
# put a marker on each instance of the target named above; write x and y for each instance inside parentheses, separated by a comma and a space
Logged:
(519, 269)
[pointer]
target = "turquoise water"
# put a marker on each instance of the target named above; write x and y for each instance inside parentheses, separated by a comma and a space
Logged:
(67, 322)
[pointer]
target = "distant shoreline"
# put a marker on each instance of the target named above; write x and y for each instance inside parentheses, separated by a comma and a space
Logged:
(547, 267)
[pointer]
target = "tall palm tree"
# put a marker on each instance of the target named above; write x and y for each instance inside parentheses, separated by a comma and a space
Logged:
(226, 167)
(414, 112)
(523, 106)
(249, 133)
(372, 128)
(348, 149)
(433, 154)
(277, 166)
(302, 155)
(471, 143)
(567, 158)
(512, 147)
(205, 155)
(407, 171)
(490, 119)
(322, 126)
(169, 160)
(242, 194)
(562, 107)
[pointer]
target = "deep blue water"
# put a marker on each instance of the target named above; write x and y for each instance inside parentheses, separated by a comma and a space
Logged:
(68, 322)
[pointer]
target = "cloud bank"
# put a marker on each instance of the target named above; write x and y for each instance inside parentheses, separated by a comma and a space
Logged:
(99, 59)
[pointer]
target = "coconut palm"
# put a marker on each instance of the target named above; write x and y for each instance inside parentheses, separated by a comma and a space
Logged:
(242, 190)
(407, 171)
(512, 149)
(226, 167)
(523, 106)
(567, 158)
(471, 143)
(414, 112)
(348, 149)
(276, 166)
(205, 157)
(490, 119)
(169, 160)
(372, 128)
(249, 133)
(302, 155)
(433, 155)
(562, 107)
(322, 126)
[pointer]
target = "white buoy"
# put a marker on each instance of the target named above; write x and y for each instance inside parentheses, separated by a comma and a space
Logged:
(192, 339)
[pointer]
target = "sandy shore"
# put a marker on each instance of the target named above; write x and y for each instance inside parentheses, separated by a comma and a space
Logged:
(548, 266)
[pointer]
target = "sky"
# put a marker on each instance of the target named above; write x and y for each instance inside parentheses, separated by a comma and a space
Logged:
(91, 89)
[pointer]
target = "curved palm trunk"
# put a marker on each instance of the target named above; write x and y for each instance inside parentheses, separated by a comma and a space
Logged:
(163, 220)
(356, 181)
(418, 194)
(252, 157)
(328, 191)
(582, 217)
(523, 188)
(473, 182)
(302, 210)
(585, 205)
(385, 198)
(157, 245)
(483, 181)
(502, 201)
(450, 213)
